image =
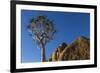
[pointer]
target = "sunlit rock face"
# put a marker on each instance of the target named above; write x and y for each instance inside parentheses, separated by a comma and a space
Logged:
(77, 50)
(56, 54)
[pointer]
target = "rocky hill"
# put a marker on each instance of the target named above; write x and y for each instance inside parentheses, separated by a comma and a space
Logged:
(77, 50)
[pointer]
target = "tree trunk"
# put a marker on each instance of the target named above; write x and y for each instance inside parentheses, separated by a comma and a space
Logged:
(43, 59)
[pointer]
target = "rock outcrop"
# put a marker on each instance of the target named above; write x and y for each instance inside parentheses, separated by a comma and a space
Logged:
(78, 50)
(56, 54)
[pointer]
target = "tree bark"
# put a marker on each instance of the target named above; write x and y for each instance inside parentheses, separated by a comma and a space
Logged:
(43, 59)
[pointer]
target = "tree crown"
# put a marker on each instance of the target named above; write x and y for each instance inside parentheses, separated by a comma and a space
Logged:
(41, 29)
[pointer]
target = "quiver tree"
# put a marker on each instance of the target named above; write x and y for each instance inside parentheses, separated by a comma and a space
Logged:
(42, 31)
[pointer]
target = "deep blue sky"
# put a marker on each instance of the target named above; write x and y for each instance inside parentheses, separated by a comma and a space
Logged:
(69, 26)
